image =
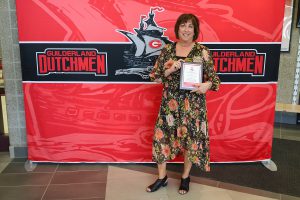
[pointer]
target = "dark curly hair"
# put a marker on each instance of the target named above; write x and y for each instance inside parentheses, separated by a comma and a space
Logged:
(183, 19)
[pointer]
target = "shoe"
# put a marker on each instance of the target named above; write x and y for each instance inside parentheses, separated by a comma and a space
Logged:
(157, 184)
(184, 185)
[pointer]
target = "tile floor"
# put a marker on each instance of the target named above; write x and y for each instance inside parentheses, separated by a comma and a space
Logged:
(110, 182)
(119, 181)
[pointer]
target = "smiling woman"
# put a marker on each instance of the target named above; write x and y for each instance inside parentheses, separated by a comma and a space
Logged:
(187, 28)
(181, 125)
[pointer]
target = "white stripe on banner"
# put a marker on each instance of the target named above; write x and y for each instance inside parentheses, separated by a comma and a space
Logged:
(86, 42)
(150, 83)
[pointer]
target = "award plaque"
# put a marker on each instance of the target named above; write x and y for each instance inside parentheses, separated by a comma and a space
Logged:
(191, 73)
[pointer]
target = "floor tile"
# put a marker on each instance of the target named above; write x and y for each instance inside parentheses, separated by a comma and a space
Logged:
(18, 167)
(82, 167)
(290, 132)
(196, 190)
(248, 190)
(19, 160)
(239, 195)
(290, 137)
(4, 157)
(3, 166)
(76, 191)
(91, 198)
(288, 197)
(25, 179)
(22, 192)
(148, 168)
(205, 181)
(204, 195)
(142, 167)
(276, 132)
(131, 184)
(79, 177)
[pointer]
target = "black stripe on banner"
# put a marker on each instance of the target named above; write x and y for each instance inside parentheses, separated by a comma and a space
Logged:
(121, 63)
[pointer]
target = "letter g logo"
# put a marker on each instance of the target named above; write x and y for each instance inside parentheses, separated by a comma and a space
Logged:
(155, 44)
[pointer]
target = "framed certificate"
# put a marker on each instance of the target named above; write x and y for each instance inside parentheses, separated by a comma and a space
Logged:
(191, 73)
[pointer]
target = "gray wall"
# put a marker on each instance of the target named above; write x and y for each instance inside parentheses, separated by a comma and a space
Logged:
(12, 78)
(13, 86)
(287, 66)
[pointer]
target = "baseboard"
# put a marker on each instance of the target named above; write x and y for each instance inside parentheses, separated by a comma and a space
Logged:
(18, 152)
(285, 117)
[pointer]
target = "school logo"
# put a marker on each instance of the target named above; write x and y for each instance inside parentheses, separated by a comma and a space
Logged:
(147, 42)
(71, 61)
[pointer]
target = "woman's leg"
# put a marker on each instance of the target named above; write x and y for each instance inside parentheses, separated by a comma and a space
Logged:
(184, 187)
(187, 166)
(162, 170)
(162, 180)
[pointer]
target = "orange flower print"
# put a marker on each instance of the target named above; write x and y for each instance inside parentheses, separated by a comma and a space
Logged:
(160, 121)
(194, 146)
(186, 104)
(184, 130)
(176, 144)
(166, 150)
(159, 134)
(196, 160)
(173, 105)
(170, 120)
(179, 132)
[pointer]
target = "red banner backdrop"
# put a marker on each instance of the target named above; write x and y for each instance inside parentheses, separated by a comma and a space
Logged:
(80, 115)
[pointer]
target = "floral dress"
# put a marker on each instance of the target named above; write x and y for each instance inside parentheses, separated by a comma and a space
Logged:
(182, 119)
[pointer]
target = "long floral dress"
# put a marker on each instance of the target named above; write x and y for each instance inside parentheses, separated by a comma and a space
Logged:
(182, 119)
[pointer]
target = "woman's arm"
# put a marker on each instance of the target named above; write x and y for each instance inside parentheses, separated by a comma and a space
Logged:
(211, 78)
(158, 72)
(209, 70)
(172, 66)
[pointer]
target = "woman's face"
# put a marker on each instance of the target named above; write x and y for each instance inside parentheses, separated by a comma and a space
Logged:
(186, 31)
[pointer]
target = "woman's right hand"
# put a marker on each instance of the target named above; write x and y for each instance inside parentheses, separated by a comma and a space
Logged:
(172, 66)
(176, 65)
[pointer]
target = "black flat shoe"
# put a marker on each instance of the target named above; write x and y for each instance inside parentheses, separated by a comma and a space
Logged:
(157, 184)
(184, 185)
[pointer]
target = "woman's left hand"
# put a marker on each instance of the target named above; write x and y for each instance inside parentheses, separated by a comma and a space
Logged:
(201, 88)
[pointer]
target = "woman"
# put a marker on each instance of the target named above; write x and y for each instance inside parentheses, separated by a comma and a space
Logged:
(181, 126)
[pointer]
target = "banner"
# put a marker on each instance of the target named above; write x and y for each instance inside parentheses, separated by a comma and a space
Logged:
(86, 63)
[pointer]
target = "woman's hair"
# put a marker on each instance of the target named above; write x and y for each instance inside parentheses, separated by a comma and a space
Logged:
(183, 19)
